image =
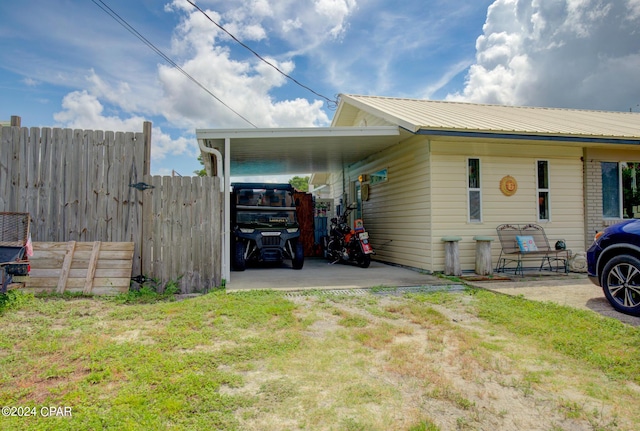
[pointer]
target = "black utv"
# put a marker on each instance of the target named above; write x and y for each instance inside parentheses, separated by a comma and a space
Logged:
(265, 226)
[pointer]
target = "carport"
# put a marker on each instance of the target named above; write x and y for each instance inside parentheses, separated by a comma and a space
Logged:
(259, 152)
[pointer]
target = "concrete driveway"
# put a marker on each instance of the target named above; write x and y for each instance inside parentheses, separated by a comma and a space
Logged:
(573, 290)
(318, 274)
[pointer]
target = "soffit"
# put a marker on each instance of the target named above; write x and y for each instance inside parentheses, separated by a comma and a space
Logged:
(301, 150)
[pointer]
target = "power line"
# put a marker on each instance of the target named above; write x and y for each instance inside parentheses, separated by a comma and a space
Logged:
(331, 103)
(102, 5)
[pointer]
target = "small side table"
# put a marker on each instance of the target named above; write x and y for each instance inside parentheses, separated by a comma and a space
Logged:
(451, 255)
(483, 255)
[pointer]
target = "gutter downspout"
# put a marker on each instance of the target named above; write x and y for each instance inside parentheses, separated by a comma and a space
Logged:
(222, 174)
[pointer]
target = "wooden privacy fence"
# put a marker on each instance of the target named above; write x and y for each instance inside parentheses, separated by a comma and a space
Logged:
(87, 186)
(182, 230)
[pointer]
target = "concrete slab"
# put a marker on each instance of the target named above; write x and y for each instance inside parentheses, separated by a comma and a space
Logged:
(319, 274)
(574, 290)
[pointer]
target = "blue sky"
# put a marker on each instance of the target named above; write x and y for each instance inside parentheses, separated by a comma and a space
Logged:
(66, 63)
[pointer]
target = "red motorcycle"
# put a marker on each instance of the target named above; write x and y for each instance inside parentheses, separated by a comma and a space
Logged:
(348, 245)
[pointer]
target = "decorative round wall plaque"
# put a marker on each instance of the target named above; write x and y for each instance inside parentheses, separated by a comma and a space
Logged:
(508, 185)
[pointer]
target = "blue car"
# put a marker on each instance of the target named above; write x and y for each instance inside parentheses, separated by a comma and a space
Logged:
(614, 264)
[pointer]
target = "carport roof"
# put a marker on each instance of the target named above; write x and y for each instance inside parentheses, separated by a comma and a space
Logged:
(297, 150)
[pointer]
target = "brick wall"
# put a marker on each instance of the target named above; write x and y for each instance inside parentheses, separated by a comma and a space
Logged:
(593, 199)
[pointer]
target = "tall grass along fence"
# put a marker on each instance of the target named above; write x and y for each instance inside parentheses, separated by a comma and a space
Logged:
(89, 185)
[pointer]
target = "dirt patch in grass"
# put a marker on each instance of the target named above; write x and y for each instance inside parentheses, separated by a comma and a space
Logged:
(405, 363)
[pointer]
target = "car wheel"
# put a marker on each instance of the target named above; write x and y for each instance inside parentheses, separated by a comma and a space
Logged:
(621, 284)
(239, 262)
(298, 259)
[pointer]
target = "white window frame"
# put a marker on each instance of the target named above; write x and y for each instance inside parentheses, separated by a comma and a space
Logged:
(542, 190)
(474, 189)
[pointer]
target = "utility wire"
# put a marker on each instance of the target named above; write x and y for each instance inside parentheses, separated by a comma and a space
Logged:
(102, 5)
(330, 102)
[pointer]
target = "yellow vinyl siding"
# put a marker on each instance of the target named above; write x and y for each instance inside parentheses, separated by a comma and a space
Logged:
(335, 182)
(450, 199)
(397, 212)
(425, 197)
(364, 119)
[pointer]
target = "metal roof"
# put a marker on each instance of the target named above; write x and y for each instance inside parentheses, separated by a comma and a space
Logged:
(418, 115)
(323, 149)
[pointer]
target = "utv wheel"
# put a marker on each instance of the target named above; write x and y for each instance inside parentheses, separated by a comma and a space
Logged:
(298, 259)
(239, 262)
(621, 284)
(364, 260)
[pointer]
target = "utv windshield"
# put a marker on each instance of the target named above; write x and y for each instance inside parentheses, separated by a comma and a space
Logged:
(265, 208)
(264, 198)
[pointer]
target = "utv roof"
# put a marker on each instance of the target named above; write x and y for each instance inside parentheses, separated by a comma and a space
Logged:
(272, 186)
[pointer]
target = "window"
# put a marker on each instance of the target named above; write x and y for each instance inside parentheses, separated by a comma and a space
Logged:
(620, 194)
(473, 187)
(358, 193)
(630, 193)
(610, 190)
(543, 190)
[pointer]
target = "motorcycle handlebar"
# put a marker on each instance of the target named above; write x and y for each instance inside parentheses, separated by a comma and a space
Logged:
(343, 216)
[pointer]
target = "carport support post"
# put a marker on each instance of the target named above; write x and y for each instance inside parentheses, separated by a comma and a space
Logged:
(451, 255)
(226, 236)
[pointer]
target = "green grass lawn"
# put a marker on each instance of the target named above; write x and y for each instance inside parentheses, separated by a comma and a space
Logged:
(264, 360)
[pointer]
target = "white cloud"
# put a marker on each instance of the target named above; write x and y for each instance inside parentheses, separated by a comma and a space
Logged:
(82, 110)
(335, 11)
(634, 9)
(310, 21)
(243, 85)
(565, 53)
(204, 52)
(433, 87)
(30, 82)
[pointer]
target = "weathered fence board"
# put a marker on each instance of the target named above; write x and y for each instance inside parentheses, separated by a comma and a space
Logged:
(76, 184)
(77, 267)
(182, 231)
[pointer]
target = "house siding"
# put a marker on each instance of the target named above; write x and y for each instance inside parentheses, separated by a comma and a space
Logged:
(425, 197)
(398, 214)
(337, 189)
(364, 119)
(450, 202)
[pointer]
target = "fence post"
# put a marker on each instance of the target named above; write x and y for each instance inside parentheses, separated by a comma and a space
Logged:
(16, 121)
(146, 163)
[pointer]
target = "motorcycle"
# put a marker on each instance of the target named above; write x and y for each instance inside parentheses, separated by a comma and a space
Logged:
(348, 245)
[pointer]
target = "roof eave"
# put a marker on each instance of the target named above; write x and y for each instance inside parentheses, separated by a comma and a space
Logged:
(213, 134)
(482, 134)
(346, 99)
